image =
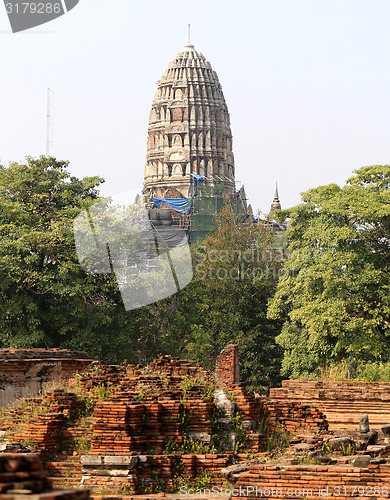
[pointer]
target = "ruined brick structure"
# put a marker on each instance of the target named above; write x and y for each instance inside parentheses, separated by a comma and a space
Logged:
(138, 429)
(341, 402)
(29, 371)
(314, 481)
(149, 425)
(227, 369)
(45, 423)
(294, 417)
(155, 410)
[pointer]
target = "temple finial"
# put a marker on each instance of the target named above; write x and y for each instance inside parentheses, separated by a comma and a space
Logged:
(276, 195)
(189, 34)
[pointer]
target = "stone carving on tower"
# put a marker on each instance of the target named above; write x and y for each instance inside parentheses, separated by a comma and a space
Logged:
(189, 130)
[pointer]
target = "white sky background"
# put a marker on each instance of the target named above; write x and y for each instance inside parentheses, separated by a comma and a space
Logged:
(307, 85)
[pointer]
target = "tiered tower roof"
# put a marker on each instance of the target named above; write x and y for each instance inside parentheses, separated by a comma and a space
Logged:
(189, 129)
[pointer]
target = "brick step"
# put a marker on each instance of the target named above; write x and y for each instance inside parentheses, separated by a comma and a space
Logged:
(79, 430)
(360, 409)
(64, 472)
(317, 402)
(73, 478)
(376, 413)
(68, 482)
(68, 461)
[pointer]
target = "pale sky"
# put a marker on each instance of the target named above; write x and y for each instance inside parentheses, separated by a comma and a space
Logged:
(306, 83)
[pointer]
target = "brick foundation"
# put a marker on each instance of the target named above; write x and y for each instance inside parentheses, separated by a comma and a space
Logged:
(314, 481)
(145, 473)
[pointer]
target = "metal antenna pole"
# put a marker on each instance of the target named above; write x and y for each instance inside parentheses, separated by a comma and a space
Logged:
(48, 124)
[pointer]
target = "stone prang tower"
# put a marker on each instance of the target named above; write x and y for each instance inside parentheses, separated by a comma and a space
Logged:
(189, 130)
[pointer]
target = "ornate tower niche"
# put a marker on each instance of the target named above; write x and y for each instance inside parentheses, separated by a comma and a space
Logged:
(189, 130)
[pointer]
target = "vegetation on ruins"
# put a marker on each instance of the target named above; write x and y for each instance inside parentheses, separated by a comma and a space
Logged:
(200, 483)
(3, 381)
(278, 441)
(176, 441)
(334, 290)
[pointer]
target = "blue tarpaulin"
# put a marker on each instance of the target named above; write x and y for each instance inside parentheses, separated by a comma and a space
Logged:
(255, 221)
(197, 179)
(181, 205)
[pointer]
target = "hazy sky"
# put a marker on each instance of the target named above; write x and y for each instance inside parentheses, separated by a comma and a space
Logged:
(306, 82)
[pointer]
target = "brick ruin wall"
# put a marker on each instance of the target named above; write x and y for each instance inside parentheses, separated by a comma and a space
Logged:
(227, 369)
(341, 402)
(42, 426)
(141, 473)
(148, 412)
(151, 406)
(29, 371)
(294, 417)
(314, 481)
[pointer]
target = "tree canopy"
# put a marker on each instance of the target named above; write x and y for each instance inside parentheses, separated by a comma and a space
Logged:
(46, 300)
(334, 289)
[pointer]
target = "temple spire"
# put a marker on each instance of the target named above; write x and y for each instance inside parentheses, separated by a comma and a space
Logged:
(276, 195)
(182, 137)
(276, 202)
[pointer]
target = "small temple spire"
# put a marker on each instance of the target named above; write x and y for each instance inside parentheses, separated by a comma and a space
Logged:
(276, 202)
(276, 195)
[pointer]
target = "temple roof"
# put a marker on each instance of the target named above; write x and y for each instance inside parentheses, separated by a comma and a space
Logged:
(190, 57)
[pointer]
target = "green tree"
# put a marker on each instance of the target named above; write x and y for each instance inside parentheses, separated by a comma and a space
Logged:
(46, 300)
(234, 276)
(334, 289)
